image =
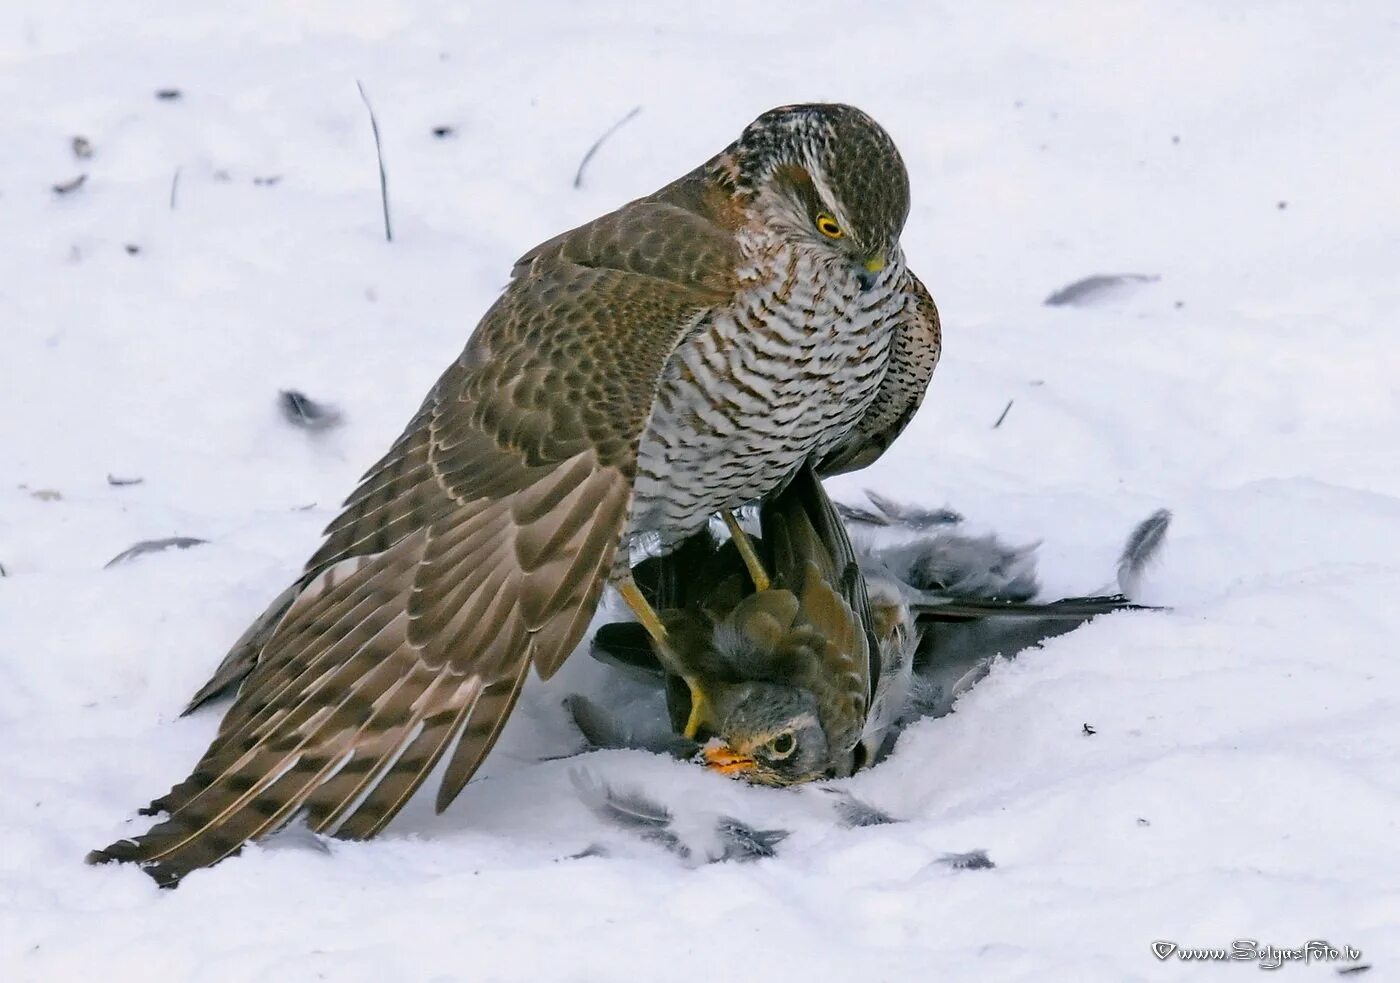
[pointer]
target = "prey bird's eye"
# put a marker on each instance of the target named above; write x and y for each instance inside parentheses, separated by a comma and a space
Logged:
(783, 745)
(829, 227)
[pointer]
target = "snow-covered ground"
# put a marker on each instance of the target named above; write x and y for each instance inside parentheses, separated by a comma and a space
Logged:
(1244, 780)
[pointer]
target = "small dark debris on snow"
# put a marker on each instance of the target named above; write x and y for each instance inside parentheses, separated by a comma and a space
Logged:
(1092, 288)
(1175, 138)
(1089, 730)
(593, 850)
(82, 148)
(853, 813)
(443, 132)
(168, 95)
(116, 482)
(270, 181)
(302, 411)
(1282, 205)
(1358, 968)
(153, 546)
(47, 494)
(1143, 822)
(997, 425)
(972, 860)
(3, 572)
(132, 249)
(68, 187)
(744, 844)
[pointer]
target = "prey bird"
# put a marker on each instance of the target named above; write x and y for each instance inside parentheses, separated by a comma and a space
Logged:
(679, 357)
(812, 675)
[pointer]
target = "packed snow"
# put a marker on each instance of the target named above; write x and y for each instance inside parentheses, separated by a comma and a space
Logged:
(227, 244)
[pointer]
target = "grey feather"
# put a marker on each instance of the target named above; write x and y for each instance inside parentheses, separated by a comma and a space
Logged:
(742, 843)
(1091, 289)
(302, 411)
(1143, 547)
(960, 566)
(972, 860)
(153, 546)
(886, 512)
(852, 812)
(629, 810)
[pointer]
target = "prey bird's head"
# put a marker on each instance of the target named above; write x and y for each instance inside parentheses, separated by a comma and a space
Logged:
(766, 733)
(827, 177)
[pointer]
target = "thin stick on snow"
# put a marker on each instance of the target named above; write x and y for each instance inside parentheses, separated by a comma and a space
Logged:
(1003, 414)
(578, 177)
(174, 186)
(379, 153)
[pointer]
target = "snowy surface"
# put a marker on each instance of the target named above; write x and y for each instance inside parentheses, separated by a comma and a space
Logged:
(1243, 780)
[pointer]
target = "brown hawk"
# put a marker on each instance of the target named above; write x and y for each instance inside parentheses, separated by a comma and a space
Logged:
(678, 357)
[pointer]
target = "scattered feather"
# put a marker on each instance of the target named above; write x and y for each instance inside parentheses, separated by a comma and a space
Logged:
(270, 181)
(592, 850)
(302, 411)
(68, 187)
(887, 512)
(153, 546)
(443, 132)
(82, 148)
(116, 482)
(972, 860)
(741, 843)
(47, 494)
(168, 95)
(1144, 546)
(1091, 289)
(578, 175)
(1358, 968)
(965, 567)
(852, 812)
(630, 811)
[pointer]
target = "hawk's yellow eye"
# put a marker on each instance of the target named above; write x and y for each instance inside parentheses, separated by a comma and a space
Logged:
(829, 227)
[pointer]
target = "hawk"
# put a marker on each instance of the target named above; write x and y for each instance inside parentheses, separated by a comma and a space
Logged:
(679, 357)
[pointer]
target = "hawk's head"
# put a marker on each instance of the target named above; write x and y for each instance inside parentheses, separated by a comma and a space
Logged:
(827, 173)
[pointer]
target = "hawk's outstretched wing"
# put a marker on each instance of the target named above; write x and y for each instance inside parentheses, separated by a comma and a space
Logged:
(476, 548)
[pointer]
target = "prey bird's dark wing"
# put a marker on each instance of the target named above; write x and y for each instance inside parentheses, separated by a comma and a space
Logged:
(934, 608)
(813, 558)
(476, 548)
(918, 341)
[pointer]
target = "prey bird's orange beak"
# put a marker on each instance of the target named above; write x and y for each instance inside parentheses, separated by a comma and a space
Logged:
(723, 759)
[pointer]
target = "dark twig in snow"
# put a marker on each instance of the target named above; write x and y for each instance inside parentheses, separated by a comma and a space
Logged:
(578, 176)
(174, 187)
(379, 153)
(153, 546)
(302, 411)
(116, 482)
(997, 425)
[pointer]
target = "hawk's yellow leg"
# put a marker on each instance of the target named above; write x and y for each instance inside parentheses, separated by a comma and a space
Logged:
(746, 550)
(651, 621)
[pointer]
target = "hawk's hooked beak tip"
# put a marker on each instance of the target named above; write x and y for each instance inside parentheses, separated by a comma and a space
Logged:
(723, 759)
(870, 271)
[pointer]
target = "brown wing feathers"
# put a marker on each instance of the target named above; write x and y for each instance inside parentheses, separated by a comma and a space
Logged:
(477, 547)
